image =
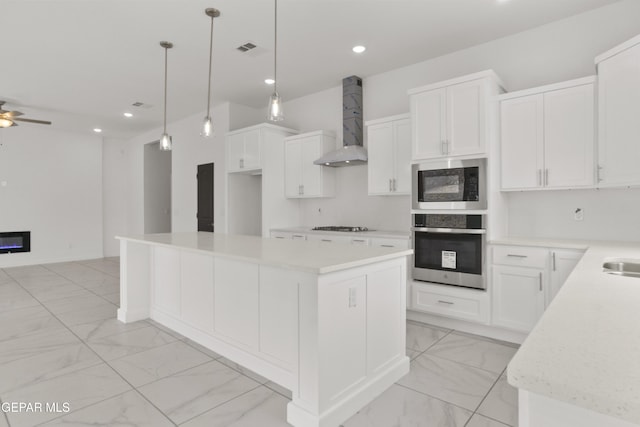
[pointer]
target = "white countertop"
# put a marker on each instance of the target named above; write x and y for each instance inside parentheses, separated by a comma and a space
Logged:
(367, 234)
(312, 256)
(585, 350)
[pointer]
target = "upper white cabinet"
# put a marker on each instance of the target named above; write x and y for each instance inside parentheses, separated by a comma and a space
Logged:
(547, 136)
(618, 113)
(303, 179)
(451, 118)
(389, 148)
(244, 150)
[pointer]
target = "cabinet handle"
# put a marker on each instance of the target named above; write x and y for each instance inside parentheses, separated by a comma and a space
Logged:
(299, 236)
(394, 185)
(539, 177)
(540, 280)
(299, 190)
(241, 163)
(390, 186)
(445, 302)
(279, 237)
(517, 256)
(443, 147)
(387, 246)
(359, 240)
(553, 260)
(326, 240)
(448, 145)
(599, 173)
(302, 189)
(546, 177)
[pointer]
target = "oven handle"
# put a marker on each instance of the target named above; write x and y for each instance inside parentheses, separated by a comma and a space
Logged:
(450, 230)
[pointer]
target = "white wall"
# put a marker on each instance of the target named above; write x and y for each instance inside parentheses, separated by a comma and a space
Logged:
(54, 189)
(609, 214)
(189, 150)
(114, 191)
(157, 189)
(555, 52)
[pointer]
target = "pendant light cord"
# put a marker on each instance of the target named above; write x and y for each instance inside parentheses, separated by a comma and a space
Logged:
(275, 48)
(210, 61)
(165, 90)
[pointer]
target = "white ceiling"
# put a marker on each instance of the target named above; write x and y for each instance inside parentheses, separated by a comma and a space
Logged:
(82, 63)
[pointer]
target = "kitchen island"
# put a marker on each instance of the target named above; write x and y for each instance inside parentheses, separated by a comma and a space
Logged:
(580, 365)
(325, 321)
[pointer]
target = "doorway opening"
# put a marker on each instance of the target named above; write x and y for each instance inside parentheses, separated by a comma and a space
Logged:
(157, 189)
(205, 197)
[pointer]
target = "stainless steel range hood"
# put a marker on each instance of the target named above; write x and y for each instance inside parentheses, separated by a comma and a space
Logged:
(352, 152)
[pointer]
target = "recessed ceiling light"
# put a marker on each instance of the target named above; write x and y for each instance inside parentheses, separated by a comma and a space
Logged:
(359, 49)
(128, 115)
(269, 81)
(97, 130)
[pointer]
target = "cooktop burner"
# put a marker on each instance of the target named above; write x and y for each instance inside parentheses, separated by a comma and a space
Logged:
(340, 228)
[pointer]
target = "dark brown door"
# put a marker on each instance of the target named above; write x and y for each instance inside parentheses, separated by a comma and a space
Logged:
(205, 197)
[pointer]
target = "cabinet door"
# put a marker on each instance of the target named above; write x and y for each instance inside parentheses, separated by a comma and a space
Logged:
(402, 156)
(235, 152)
(311, 174)
(568, 137)
(381, 155)
(465, 119)
(521, 142)
(428, 124)
(252, 150)
(563, 261)
(292, 170)
(619, 110)
(518, 297)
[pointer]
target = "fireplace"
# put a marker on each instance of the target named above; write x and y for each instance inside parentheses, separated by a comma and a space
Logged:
(15, 241)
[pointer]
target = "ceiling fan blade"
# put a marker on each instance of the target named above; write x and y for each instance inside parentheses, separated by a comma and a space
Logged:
(11, 114)
(40, 122)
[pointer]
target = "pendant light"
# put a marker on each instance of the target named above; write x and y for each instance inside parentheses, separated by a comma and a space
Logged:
(274, 112)
(207, 125)
(165, 139)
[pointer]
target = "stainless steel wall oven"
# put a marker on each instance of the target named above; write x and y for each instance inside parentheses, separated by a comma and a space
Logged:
(449, 249)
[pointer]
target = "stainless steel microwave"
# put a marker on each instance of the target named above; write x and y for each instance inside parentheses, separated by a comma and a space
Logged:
(449, 184)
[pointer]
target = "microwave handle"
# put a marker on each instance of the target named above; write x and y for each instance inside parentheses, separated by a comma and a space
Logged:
(450, 230)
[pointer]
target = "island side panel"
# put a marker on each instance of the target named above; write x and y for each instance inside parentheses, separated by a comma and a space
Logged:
(347, 358)
(135, 281)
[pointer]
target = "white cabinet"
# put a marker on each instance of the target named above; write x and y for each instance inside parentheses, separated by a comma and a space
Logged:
(452, 118)
(450, 301)
(384, 242)
(244, 150)
(303, 179)
(518, 297)
(563, 261)
(547, 136)
(618, 113)
(389, 151)
(329, 238)
(524, 281)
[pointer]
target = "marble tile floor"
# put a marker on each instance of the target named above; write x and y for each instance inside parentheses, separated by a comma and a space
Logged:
(61, 346)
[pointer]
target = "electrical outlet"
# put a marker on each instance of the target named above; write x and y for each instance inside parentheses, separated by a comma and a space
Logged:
(578, 214)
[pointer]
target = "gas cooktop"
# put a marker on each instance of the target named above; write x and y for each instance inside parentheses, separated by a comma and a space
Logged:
(341, 228)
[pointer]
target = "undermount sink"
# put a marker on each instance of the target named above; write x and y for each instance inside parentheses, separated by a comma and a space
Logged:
(622, 267)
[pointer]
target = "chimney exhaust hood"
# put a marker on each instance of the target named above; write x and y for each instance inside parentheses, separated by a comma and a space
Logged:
(352, 152)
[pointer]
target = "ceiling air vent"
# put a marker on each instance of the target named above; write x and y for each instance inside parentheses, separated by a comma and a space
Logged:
(246, 47)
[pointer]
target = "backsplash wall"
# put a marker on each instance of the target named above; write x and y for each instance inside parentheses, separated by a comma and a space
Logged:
(609, 214)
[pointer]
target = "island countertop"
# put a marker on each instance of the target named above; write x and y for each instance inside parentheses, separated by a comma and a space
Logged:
(585, 350)
(311, 256)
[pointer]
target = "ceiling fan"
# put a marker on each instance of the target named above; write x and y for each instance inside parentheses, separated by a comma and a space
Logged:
(9, 118)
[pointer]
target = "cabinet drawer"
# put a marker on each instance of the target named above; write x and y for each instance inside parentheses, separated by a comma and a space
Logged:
(329, 238)
(425, 298)
(391, 243)
(520, 256)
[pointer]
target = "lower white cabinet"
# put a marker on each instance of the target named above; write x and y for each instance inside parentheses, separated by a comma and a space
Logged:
(450, 301)
(382, 242)
(524, 281)
(518, 296)
(563, 261)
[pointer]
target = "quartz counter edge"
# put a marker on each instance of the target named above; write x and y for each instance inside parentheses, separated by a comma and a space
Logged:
(312, 257)
(382, 234)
